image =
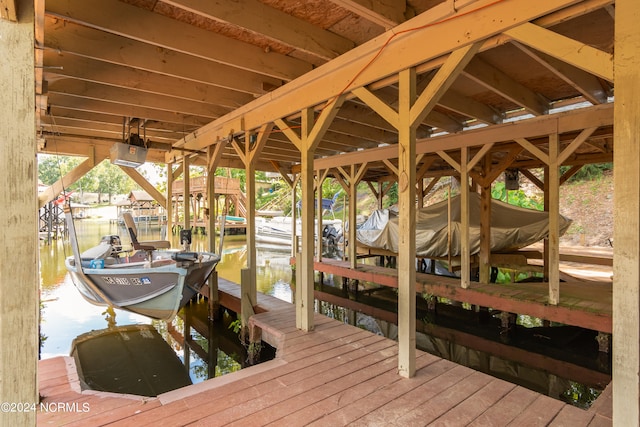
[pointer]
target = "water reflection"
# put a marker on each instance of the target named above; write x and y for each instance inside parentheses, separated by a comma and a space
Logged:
(209, 353)
(66, 315)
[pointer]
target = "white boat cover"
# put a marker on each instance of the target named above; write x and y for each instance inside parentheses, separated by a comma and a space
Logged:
(512, 228)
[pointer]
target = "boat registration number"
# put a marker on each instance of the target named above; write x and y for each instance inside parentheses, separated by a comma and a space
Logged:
(127, 281)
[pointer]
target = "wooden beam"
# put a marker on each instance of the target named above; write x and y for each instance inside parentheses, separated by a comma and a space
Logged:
(577, 142)
(259, 18)
(541, 155)
(565, 49)
(535, 127)
(8, 10)
(443, 79)
(69, 65)
(105, 48)
(146, 185)
(398, 53)
(70, 178)
(484, 255)
(283, 173)
(406, 224)
(587, 84)
(186, 192)
(447, 158)
(19, 261)
(626, 216)
(178, 36)
(386, 13)
(377, 105)
(497, 81)
(467, 106)
(569, 173)
(504, 163)
(479, 156)
(534, 179)
(465, 250)
(137, 99)
(553, 188)
(391, 167)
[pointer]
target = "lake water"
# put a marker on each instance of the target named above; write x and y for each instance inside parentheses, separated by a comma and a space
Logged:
(66, 315)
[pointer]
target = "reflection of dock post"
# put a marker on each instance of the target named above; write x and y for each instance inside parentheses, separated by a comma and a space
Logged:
(214, 298)
(246, 305)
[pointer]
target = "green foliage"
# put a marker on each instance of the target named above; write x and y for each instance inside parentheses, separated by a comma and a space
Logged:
(392, 195)
(236, 326)
(105, 178)
(515, 197)
(589, 172)
(580, 395)
(51, 168)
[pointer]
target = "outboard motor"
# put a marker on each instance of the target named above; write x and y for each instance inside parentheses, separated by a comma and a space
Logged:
(185, 239)
(112, 240)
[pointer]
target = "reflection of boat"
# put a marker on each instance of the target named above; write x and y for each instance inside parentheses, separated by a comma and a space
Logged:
(512, 228)
(150, 282)
(132, 359)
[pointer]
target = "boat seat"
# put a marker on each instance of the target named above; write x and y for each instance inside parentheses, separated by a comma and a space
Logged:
(146, 245)
(103, 251)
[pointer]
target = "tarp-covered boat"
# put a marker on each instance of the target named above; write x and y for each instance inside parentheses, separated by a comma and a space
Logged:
(512, 228)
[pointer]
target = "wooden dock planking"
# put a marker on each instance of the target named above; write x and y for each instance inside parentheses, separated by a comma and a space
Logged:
(505, 409)
(335, 375)
(584, 304)
(359, 392)
(540, 412)
(475, 405)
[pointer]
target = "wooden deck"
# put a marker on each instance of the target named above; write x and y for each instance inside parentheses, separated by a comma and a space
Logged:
(336, 375)
(587, 304)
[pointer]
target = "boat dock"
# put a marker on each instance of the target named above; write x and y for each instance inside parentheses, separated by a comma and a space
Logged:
(335, 375)
(587, 304)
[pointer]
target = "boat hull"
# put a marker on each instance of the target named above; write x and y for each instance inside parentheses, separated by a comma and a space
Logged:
(156, 291)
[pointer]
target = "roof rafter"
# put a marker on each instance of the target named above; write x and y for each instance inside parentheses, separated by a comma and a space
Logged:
(168, 33)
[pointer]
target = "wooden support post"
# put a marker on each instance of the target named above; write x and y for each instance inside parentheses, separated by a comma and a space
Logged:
(311, 133)
(553, 259)
(353, 215)
(420, 188)
(406, 226)
(186, 193)
(19, 279)
(169, 201)
(318, 204)
(304, 305)
(465, 250)
(252, 263)
(248, 153)
(485, 224)
(294, 217)
(626, 214)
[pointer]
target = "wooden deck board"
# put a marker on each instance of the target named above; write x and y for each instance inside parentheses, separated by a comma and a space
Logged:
(584, 304)
(505, 409)
(335, 375)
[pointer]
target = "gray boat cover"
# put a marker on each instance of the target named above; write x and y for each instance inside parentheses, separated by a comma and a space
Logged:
(512, 228)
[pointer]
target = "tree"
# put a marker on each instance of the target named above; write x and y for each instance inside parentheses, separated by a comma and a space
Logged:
(111, 180)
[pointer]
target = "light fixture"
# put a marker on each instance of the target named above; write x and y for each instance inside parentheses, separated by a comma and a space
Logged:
(128, 155)
(132, 152)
